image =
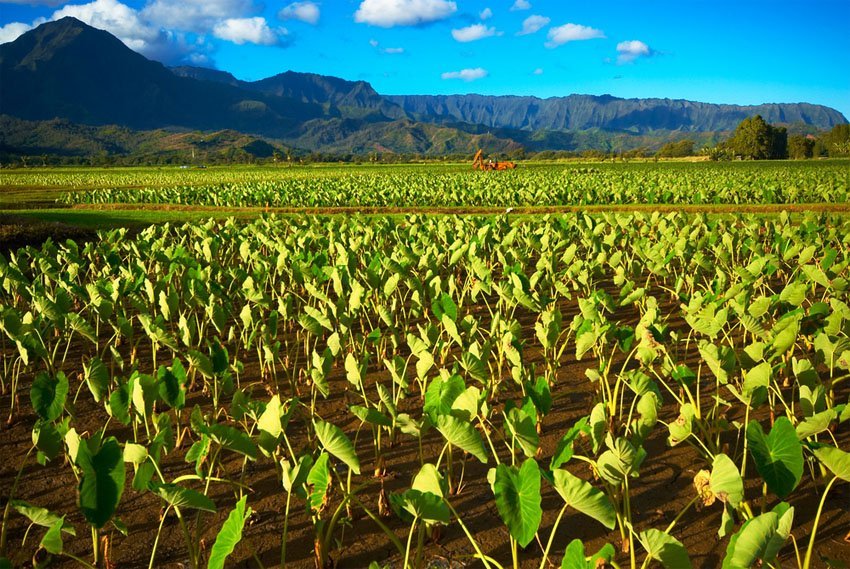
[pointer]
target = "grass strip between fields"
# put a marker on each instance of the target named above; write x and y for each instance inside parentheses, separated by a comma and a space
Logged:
(214, 211)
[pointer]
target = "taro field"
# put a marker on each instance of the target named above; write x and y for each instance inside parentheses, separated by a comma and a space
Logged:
(482, 370)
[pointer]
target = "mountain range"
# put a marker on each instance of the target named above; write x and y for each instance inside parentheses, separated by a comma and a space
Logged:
(71, 71)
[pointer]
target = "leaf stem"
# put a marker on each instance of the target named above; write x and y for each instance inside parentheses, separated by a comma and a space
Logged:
(808, 558)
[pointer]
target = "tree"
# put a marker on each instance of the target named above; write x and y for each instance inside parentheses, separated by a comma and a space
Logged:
(755, 139)
(800, 147)
(677, 149)
(837, 141)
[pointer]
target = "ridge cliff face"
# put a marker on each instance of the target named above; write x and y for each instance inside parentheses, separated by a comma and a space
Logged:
(68, 70)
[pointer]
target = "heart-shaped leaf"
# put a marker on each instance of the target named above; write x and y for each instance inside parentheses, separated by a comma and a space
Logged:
(48, 395)
(778, 456)
(101, 481)
(518, 499)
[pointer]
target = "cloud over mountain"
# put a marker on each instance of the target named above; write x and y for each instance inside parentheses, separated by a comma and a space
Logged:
(391, 13)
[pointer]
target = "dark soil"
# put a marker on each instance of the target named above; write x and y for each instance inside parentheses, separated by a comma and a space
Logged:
(18, 231)
(664, 488)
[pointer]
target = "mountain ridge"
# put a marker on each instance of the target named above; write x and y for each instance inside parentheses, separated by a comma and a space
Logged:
(58, 70)
(68, 70)
(579, 112)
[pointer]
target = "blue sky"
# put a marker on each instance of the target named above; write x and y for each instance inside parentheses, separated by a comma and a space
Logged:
(722, 51)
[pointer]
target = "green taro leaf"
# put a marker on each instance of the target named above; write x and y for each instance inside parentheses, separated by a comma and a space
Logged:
(41, 516)
(181, 497)
(269, 422)
(119, 403)
(172, 384)
(574, 556)
(101, 480)
(467, 405)
(682, 427)
(52, 540)
(518, 499)
(371, 415)
(441, 394)
(425, 506)
(621, 459)
(233, 439)
(429, 479)
(759, 539)
(318, 481)
(778, 456)
(757, 378)
(338, 444)
(582, 496)
(522, 428)
(726, 481)
(201, 363)
(229, 535)
(540, 394)
(836, 460)
(794, 293)
(353, 372)
(47, 439)
(462, 435)
(294, 475)
(97, 378)
(665, 548)
(48, 395)
(564, 450)
(135, 453)
(817, 423)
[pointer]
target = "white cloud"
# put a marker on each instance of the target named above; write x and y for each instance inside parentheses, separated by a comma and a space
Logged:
(136, 32)
(486, 14)
(473, 32)
(538, 71)
(572, 32)
(116, 18)
(388, 50)
(521, 5)
(533, 24)
(389, 13)
(34, 2)
(466, 74)
(628, 51)
(247, 30)
(196, 15)
(13, 30)
(305, 11)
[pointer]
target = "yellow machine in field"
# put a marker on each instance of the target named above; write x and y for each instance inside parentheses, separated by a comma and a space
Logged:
(478, 163)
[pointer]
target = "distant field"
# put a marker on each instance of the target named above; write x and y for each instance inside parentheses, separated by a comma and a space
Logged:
(451, 185)
(38, 203)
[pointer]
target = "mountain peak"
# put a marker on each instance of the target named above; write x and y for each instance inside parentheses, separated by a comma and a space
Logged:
(205, 74)
(70, 70)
